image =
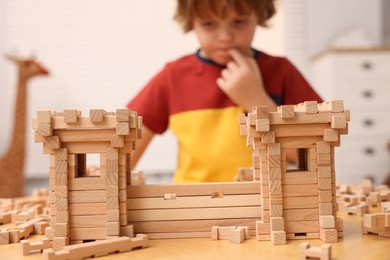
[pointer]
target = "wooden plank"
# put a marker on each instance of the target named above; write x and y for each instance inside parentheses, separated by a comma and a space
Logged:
(303, 118)
(300, 214)
(94, 147)
(301, 226)
(300, 202)
(300, 190)
(87, 196)
(88, 221)
(88, 233)
(89, 135)
(189, 225)
(85, 209)
(300, 178)
(197, 213)
(82, 123)
(302, 130)
(86, 183)
(194, 189)
(180, 235)
(194, 202)
(301, 142)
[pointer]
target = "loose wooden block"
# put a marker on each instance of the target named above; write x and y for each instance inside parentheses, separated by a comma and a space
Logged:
(96, 115)
(323, 253)
(71, 116)
(4, 237)
(27, 246)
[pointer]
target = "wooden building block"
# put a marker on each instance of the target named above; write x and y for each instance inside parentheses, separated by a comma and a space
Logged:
(286, 111)
(261, 112)
(127, 231)
(45, 129)
(122, 115)
(277, 224)
(122, 128)
(338, 122)
(4, 237)
(262, 125)
(331, 135)
(325, 208)
(96, 115)
(334, 106)
(327, 221)
(117, 141)
(278, 237)
(97, 248)
(71, 116)
(328, 235)
(268, 137)
(28, 247)
(214, 233)
(323, 252)
(44, 116)
(236, 235)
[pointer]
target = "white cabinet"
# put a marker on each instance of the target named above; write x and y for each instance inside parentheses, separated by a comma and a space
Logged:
(362, 79)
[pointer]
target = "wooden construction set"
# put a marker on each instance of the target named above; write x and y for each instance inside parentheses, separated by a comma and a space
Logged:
(278, 204)
(269, 200)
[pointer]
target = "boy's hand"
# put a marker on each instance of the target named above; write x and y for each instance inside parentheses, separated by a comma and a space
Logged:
(241, 80)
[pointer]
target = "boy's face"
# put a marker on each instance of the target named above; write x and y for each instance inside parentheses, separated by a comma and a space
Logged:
(217, 36)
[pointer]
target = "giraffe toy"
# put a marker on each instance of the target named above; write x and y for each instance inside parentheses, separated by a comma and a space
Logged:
(13, 160)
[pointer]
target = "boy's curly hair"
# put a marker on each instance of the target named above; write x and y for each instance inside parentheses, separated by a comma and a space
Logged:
(187, 10)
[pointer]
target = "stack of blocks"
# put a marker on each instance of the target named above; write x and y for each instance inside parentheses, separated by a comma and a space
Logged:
(88, 207)
(299, 203)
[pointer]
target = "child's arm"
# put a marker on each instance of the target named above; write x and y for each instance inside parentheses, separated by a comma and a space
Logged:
(142, 144)
(243, 83)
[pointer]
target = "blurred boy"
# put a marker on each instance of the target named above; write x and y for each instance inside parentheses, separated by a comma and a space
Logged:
(200, 96)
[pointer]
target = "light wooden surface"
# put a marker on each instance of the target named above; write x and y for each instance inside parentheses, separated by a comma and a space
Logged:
(354, 246)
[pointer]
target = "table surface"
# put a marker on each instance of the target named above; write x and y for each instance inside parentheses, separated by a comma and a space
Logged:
(354, 245)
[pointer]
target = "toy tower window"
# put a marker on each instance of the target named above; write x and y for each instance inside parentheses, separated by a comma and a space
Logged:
(87, 165)
(302, 163)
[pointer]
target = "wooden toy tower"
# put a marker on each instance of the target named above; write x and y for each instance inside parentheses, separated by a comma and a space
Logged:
(297, 203)
(88, 206)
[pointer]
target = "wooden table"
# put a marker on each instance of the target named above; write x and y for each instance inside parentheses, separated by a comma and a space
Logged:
(353, 246)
